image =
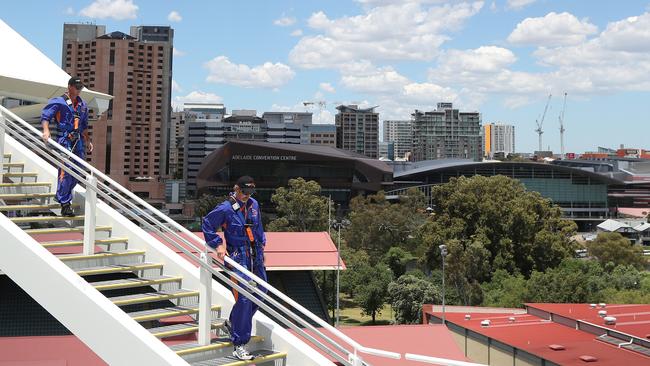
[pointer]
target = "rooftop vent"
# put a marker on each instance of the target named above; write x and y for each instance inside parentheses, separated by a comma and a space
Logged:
(511, 319)
(556, 347)
(587, 358)
(485, 323)
(593, 306)
(602, 313)
(610, 320)
(602, 305)
(468, 317)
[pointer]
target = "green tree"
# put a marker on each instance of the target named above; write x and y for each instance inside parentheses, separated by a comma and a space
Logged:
(492, 223)
(575, 280)
(376, 225)
(505, 290)
(397, 259)
(300, 207)
(207, 203)
(407, 294)
(354, 260)
(371, 292)
(615, 248)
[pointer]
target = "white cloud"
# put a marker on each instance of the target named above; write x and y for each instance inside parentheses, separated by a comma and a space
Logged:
(174, 16)
(363, 77)
(115, 9)
(630, 35)
(196, 96)
(519, 4)
(296, 33)
(285, 21)
(426, 93)
(175, 87)
(268, 75)
(178, 53)
(493, 6)
(405, 31)
(69, 11)
(327, 87)
(552, 30)
(485, 59)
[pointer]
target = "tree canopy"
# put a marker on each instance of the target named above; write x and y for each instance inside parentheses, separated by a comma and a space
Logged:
(615, 248)
(300, 207)
(407, 295)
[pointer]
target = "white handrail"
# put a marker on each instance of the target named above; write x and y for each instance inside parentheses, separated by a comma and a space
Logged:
(438, 361)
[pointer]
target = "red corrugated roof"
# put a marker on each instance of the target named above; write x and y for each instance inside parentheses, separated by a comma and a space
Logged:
(47, 351)
(534, 335)
(428, 340)
(284, 250)
(632, 319)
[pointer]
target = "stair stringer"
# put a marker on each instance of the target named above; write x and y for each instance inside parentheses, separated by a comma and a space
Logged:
(94, 319)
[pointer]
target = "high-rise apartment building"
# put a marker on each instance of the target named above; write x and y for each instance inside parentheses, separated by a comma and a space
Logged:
(288, 127)
(131, 139)
(322, 135)
(498, 139)
(357, 130)
(446, 133)
(401, 134)
(204, 133)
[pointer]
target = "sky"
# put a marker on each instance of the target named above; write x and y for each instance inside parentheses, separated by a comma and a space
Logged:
(502, 58)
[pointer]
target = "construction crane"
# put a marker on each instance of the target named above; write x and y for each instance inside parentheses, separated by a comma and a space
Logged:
(540, 122)
(561, 118)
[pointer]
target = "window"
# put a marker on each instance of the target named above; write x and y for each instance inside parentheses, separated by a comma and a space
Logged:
(111, 58)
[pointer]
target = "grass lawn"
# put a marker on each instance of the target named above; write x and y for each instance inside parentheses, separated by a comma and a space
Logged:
(351, 314)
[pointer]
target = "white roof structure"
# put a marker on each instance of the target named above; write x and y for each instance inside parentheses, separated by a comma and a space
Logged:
(612, 225)
(27, 74)
(642, 227)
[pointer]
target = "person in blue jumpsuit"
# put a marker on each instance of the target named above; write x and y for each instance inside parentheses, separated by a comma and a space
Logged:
(71, 114)
(239, 218)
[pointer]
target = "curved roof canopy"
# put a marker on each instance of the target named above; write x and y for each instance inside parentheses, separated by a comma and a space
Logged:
(27, 74)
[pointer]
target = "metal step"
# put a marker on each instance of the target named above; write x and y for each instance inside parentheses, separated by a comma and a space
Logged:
(134, 282)
(182, 329)
(24, 196)
(52, 206)
(155, 314)
(57, 230)
(28, 184)
(261, 357)
(185, 349)
(98, 256)
(153, 297)
(13, 165)
(74, 243)
(28, 219)
(116, 268)
(20, 175)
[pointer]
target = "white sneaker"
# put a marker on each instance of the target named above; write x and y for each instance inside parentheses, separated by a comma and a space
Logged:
(241, 353)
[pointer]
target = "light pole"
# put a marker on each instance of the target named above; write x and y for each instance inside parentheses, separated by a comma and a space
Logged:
(443, 254)
(338, 225)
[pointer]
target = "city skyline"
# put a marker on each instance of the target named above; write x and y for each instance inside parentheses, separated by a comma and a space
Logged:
(501, 58)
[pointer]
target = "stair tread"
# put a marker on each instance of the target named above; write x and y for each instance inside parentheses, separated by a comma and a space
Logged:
(77, 229)
(167, 312)
(27, 219)
(133, 282)
(154, 296)
(52, 206)
(262, 355)
(9, 196)
(23, 174)
(71, 243)
(13, 165)
(183, 328)
(102, 255)
(26, 184)
(114, 268)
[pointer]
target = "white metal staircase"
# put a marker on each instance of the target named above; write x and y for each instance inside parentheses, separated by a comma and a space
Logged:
(122, 291)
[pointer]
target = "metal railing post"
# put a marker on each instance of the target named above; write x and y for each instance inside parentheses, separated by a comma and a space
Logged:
(90, 215)
(355, 359)
(2, 146)
(205, 302)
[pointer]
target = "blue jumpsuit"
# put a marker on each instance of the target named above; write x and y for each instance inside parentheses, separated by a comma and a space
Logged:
(239, 249)
(70, 136)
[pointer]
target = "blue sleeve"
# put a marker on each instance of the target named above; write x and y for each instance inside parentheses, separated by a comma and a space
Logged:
(84, 118)
(259, 229)
(211, 223)
(49, 111)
